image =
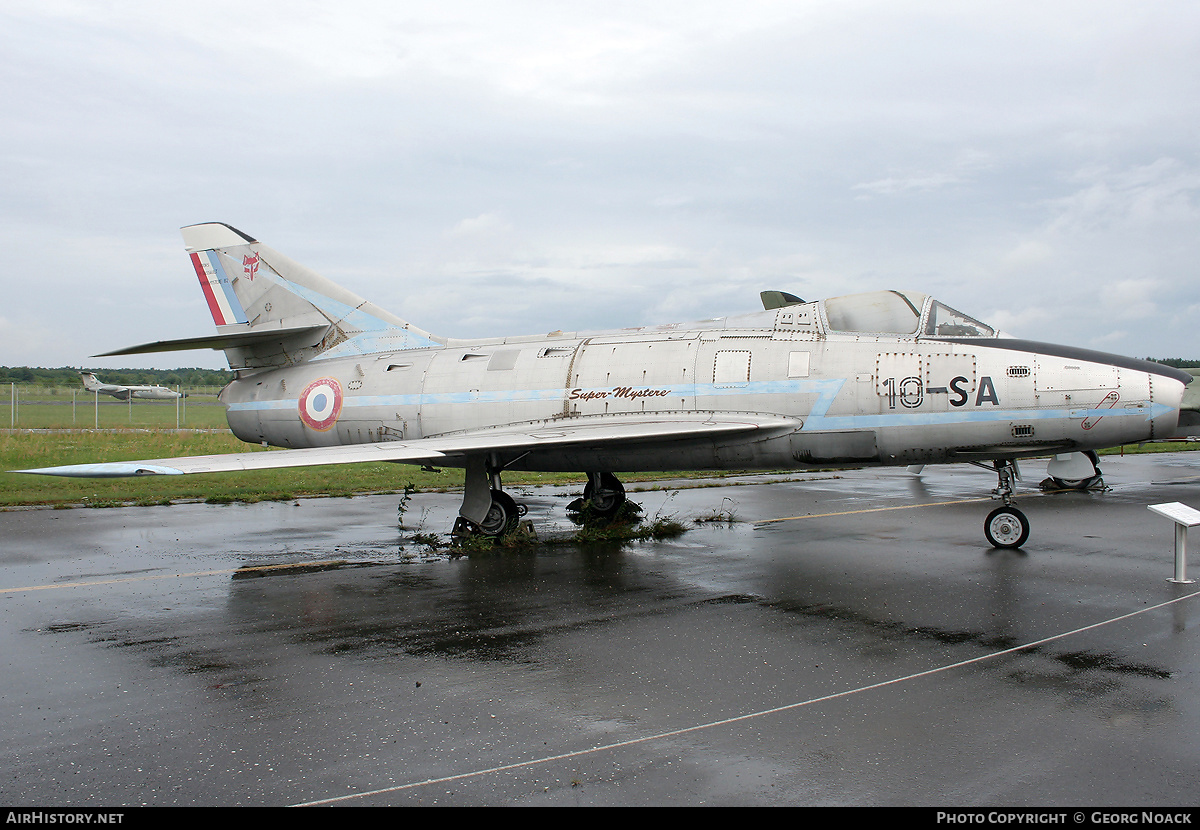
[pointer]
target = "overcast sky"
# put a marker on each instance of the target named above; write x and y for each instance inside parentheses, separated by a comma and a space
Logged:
(489, 168)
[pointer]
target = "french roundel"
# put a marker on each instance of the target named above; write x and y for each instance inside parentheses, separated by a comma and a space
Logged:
(321, 403)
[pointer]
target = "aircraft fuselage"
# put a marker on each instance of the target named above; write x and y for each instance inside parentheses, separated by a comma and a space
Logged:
(856, 398)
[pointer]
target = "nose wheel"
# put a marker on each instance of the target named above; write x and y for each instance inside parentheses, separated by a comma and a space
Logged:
(1006, 527)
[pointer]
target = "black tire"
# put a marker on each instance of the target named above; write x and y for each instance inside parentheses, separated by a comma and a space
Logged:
(502, 512)
(607, 498)
(1075, 483)
(1006, 527)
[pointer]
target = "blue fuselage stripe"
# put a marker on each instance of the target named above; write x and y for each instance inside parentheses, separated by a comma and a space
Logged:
(815, 419)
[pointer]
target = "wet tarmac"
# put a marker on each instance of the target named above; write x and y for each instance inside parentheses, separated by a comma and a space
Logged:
(866, 651)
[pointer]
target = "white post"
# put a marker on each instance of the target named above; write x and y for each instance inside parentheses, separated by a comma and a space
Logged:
(1184, 517)
(1180, 554)
(97, 394)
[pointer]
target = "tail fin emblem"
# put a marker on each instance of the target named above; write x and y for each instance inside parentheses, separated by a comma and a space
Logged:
(250, 266)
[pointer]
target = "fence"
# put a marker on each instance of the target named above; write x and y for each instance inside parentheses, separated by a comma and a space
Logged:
(57, 407)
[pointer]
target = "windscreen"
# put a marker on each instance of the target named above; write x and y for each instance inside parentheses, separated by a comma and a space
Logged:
(946, 322)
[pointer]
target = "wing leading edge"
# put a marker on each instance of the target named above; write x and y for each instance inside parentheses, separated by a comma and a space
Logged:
(531, 437)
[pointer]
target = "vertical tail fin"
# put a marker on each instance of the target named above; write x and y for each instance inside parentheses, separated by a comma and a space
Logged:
(276, 312)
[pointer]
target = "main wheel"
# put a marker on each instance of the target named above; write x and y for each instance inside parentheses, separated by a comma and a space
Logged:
(502, 511)
(1075, 483)
(1006, 527)
(1082, 483)
(607, 498)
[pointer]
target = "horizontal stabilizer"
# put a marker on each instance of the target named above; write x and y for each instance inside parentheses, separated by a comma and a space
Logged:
(577, 431)
(297, 336)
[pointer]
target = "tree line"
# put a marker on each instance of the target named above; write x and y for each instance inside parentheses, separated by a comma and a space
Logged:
(1177, 362)
(69, 376)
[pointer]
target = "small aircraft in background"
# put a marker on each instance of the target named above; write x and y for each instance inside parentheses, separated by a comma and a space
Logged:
(150, 393)
(892, 378)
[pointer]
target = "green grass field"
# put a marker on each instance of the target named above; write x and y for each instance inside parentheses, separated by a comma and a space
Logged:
(47, 412)
(113, 415)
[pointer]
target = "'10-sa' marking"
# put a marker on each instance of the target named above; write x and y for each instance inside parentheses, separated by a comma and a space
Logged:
(910, 392)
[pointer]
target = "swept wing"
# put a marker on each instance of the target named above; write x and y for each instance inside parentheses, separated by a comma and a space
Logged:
(597, 432)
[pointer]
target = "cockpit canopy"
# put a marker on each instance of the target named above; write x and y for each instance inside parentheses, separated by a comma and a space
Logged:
(900, 312)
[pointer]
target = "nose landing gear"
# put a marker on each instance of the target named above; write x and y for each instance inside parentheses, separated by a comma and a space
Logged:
(1006, 527)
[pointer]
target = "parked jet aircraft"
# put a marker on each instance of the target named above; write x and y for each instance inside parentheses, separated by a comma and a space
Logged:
(152, 393)
(884, 378)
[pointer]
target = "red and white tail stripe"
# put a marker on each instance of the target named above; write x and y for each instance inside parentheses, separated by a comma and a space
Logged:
(218, 290)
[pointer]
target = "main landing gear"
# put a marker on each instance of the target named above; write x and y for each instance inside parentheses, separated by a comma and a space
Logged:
(604, 493)
(488, 511)
(1006, 527)
(502, 512)
(1074, 471)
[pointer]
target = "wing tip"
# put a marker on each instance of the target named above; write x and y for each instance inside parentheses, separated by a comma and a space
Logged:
(107, 470)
